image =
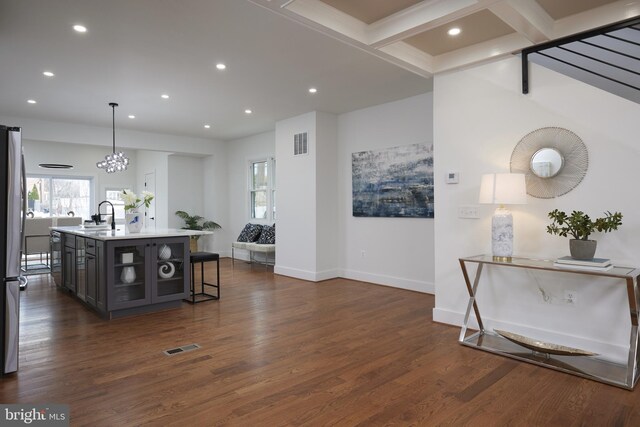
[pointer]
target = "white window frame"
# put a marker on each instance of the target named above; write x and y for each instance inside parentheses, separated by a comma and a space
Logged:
(51, 177)
(269, 190)
(119, 219)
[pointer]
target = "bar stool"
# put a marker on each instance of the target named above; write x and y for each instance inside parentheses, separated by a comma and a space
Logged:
(202, 257)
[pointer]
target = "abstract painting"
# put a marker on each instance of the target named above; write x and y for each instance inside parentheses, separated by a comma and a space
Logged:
(394, 182)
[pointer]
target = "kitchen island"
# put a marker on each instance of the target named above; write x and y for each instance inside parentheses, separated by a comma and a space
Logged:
(117, 273)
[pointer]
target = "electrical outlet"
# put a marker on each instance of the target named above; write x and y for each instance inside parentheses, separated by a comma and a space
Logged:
(468, 211)
(570, 297)
(363, 253)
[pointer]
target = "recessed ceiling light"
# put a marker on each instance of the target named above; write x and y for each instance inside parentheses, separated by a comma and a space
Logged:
(48, 73)
(313, 90)
(31, 101)
(248, 111)
(221, 66)
(80, 28)
(131, 116)
(454, 31)
(165, 96)
(207, 126)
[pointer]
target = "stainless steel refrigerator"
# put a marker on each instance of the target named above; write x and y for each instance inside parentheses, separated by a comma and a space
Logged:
(12, 218)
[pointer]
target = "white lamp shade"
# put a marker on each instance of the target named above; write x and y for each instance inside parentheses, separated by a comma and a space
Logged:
(503, 189)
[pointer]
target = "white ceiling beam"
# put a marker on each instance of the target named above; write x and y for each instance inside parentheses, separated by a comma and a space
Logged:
(329, 17)
(318, 16)
(421, 17)
(480, 52)
(594, 18)
(526, 17)
(410, 55)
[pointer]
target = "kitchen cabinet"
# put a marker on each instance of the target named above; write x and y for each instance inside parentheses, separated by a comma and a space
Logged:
(124, 275)
(69, 262)
(94, 270)
(80, 276)
(147, 271)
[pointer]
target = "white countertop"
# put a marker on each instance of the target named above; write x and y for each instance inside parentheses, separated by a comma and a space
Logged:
(121, 232)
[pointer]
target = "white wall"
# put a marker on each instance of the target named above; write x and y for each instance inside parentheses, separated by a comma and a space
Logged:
(71, 133)
(398, 251)
(239, 153)
(216, 201)
(296, 184)
(83, 146)
(480, 115)
(83, 159)
(185, 188)
(326, 187)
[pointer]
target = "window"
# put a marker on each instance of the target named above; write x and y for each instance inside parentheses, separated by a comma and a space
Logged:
(57, 196)
(262, 189)
(114, 195)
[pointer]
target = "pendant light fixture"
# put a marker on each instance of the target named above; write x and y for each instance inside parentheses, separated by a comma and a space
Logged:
(114, 162)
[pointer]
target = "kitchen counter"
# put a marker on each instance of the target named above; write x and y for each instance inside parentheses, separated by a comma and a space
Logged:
(121, 233)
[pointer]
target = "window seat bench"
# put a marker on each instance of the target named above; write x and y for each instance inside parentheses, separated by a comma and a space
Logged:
(253, 248)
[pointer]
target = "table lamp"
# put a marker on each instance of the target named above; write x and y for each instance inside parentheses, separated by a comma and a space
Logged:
(502, 189)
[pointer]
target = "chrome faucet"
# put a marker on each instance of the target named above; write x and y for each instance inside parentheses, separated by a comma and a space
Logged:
(113, 213)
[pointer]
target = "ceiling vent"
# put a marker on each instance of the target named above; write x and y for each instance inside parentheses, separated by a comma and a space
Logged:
(300, 145)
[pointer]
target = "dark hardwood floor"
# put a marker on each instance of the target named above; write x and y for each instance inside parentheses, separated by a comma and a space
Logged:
(280, 351)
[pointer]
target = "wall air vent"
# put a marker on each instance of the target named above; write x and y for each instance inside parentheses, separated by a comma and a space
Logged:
(300, 145)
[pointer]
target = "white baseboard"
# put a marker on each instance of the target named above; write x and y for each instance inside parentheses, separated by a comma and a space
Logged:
(449, 317)
(395, 282)
(295, 272)
(612, 352)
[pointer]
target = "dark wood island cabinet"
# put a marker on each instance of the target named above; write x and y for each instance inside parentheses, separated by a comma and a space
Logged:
(119, 274)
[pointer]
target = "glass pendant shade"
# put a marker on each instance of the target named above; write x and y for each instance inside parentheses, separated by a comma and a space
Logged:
(114, 162)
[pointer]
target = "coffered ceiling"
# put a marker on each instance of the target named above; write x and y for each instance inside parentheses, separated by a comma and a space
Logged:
(414, 34)
(356, 53)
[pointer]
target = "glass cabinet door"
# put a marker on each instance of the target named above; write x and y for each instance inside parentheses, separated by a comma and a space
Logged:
(171, 269)
(128, 271)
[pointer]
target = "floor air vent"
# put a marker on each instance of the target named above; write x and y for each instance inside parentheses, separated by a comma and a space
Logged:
(182, 349)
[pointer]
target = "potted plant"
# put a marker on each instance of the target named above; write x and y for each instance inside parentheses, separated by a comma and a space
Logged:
(196, 222)
(132, 202)
(580, 226)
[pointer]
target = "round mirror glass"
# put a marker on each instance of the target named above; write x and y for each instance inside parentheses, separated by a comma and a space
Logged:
(546, 162)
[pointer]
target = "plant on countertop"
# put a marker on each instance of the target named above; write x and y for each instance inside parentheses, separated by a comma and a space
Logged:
(133, 202)
(580, 226)
(194, 223)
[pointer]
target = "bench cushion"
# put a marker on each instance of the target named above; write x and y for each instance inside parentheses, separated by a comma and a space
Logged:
(239, 245)
(257, 247)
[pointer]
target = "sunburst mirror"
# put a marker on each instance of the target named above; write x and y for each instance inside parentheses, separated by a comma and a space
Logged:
(554, 161)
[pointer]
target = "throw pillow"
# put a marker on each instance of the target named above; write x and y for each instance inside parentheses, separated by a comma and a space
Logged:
(254, 233)
(244, 234)
(268, 235)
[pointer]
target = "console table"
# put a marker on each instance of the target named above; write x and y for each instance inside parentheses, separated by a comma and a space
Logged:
(621, 375)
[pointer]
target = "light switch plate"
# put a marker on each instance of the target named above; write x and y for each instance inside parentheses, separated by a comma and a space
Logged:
(468, 211)
(452, 177)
